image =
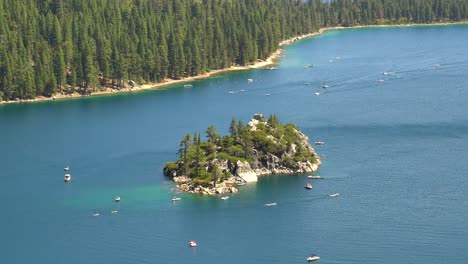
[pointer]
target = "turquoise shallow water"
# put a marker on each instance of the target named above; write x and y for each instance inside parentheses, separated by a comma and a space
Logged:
(395, 150)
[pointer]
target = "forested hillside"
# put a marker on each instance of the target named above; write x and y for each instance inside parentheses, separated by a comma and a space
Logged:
(66, 46)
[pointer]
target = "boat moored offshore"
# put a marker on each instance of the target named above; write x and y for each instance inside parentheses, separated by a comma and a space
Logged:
(67, 177)
(313, 257)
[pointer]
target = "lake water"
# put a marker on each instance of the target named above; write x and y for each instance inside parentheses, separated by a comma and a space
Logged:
(396, 150)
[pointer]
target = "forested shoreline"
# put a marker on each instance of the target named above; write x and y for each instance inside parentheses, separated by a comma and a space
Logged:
(69, 46)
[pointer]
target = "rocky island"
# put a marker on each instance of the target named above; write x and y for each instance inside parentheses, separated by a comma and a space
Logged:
(262, 147)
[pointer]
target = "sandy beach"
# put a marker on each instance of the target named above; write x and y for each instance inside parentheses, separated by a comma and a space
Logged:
(258, 64)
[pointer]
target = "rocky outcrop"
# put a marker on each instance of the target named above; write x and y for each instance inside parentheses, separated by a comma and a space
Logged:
(185, 185)
(263, 147)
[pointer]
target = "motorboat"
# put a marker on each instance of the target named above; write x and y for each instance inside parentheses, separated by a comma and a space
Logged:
(188, 85)
(66, 168)
(334, 195)
(114, 211)
(175, 199)
(249, 80)
(267, 94)
(319, 143)
(380, 80)
(307, 83)
(224, 197)
(272, 68)
(241, 184)
(232, 92)
(308, 65)
(96, 214)
(67, 177)
(314, 177)
(117, 198)
(308, 186)
(325, 86)
(317, 93)
(271, 204)
(192, 243)
(313, 257)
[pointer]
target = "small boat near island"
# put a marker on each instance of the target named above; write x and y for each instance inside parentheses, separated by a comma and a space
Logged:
(318, 143)
(314, 177)
(308, 186)
(241, 184)
(224, 197)
(334, 195)
(188, 85)
(249, 80)
(67, 177)
(192, 243)
(175, 199)
(313, 257)
(271, 204)
(272, 68)
(117, 199)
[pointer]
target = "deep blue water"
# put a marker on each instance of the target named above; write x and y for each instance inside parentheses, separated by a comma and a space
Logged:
(395, 150)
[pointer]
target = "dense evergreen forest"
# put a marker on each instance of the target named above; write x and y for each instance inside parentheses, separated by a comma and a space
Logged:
(66, 46)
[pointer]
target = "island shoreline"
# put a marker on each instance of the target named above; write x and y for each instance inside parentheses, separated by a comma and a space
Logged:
(271, 60)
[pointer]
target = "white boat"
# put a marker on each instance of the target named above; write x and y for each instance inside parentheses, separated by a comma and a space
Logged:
(224, 197)
(307, 83)
(66, 168)
(313, 257)
(242, 90)
(188, 85)
(325, 86)
(175, 199)
(232, 92)
(308, 186)
(249, 80)
(317, 93)
(272, 68)
(192, 243)
(96, 214)
(241, 184)
(387, 73)
(267, 94)
(314, 177)
(271, 204)
(380, 80)
(334, 195)
(319, 143)
(67, 177)
(308, 66)
(114, 211)
(117, 198)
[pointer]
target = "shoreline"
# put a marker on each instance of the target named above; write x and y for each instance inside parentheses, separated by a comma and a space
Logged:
(271, 60)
